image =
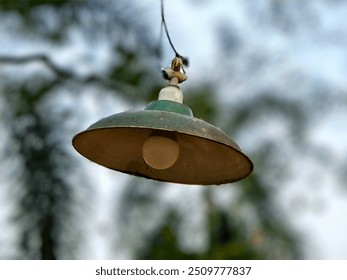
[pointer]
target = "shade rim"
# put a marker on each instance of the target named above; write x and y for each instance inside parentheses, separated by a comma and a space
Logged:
(167, 122)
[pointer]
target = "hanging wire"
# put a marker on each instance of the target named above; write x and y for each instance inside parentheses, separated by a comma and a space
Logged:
(163, 23)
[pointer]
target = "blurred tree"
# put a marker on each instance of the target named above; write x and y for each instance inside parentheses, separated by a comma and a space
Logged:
(47, 203)
(34, 81)
(44, 196)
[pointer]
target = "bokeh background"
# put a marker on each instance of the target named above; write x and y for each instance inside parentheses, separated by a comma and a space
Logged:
(271, 73)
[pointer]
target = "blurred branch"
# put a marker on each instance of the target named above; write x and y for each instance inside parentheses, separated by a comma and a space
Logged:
(59, 71)
(39, 58)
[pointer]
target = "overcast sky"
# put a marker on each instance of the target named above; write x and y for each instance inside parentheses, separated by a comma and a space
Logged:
(317, 51)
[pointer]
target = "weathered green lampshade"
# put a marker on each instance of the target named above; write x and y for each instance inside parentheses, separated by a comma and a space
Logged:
(166, 143)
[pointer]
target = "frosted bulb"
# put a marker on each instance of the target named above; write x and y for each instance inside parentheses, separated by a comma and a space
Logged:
(160, 152)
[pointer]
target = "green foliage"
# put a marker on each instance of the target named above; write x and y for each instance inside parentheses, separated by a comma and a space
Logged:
(202, 102)
(23, 6)
(228, 239)
(163, 243)
(45, 198)
(46, 202)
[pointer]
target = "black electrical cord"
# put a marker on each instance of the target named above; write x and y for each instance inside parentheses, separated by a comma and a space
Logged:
(163, 23)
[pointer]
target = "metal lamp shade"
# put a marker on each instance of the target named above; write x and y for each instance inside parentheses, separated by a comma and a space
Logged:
(207, 156)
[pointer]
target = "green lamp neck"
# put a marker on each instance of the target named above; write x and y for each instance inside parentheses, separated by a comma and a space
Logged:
(170, 106)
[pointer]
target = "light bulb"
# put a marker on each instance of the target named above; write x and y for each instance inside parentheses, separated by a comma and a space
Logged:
(160, 152)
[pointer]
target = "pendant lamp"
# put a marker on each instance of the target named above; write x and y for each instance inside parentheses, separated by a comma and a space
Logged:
(165, 142)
